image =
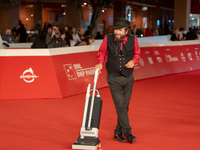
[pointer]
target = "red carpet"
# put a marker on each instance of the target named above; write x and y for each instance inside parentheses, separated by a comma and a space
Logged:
(164, 114)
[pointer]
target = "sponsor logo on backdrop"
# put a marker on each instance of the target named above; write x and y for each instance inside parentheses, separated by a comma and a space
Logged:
(70, 71)
(190, 56)
(197, 55)
(183, 57)
(76, 71)
(141, 61)
(159, 59)
(156, 53)
(28, 76)
(169, 58)
(150, 60)
(136, 66)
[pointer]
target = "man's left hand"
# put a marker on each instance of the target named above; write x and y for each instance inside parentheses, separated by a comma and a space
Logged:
(130, 64)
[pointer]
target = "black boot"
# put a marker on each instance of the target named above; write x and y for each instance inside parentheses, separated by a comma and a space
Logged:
(120, 138)
(129, 137)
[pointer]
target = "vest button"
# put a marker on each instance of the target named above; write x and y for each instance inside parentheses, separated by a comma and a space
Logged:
(120, 59)
(123, 58)
(120, 66)
(119, 55)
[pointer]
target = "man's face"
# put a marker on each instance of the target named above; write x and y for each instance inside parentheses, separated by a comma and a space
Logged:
(8, 32)
(120, 34)
(82, 31)
(55, 28)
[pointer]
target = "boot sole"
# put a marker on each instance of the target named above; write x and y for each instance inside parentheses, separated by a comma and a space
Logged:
(116, 139)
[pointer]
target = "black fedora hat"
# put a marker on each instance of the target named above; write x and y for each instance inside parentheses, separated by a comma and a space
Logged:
(121, 23)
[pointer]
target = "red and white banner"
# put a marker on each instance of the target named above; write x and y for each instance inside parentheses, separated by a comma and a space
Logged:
(61, 72)
(50, 73)
(156, 61)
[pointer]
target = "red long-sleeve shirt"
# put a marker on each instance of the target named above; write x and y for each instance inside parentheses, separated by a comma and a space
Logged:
(102, 53)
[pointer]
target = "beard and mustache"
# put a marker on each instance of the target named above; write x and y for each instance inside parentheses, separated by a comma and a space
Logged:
(119, 38)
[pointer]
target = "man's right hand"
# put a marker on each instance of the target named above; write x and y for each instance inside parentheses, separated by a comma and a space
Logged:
(53, 33)
(98, 66)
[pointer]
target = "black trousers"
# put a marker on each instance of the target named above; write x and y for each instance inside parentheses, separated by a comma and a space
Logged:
(121, 90)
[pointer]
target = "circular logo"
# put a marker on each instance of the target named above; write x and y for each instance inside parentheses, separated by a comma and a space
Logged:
(28, 75)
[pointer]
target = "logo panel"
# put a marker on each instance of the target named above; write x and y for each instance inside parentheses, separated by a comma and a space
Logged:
(28, 76)
(75, 71)
(70, 71)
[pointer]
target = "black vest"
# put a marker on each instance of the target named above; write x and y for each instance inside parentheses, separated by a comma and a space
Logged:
(115, 63)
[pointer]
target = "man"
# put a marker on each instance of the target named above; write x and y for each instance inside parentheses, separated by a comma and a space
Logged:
(55, 39)
(123, 52)
(81, 34)
(191, 35)
(8, 37)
